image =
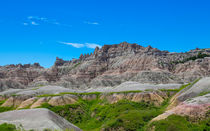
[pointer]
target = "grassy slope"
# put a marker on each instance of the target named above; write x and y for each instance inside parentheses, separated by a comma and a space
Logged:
(98, 114)
(124, 115)
(3, 109)
(7, 127)
(179, 123)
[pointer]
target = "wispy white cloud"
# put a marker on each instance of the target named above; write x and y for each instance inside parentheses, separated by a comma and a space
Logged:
(25, 24)
(34, 23)
(76, 45)
(35, 20)
(91, 23)
(81, 45)
(92, 45)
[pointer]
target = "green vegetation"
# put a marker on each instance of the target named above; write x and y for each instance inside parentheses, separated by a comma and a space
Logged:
(198, 56)
(2, 102)
(176, 90)
(3, 109)
(48, 95)
(76, 65)
(98, 114)
(36, 88)
(73, 93)
(149, 90)
(170, 90)
(39, 85)
(125, 92)
(204, 93)
(86, 93)
(179, 123)
(11, 127)
(186, 85)
(181, 88)
(7, 127)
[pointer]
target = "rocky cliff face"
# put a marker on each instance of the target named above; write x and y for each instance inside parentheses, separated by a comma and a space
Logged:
(19, 76)
(110, 66)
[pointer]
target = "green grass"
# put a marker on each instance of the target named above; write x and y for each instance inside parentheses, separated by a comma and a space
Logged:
(11, 127)
(40, 85)
(87, 93)
(2, 102)
(7, 127)
(35, 88)
(204, 93)
(169, 90)
(179, 123)
(72, 93)
(184, 86)
(4, 109)
(181, 87)
(15, 95)
(48, 95)
(125, 92)
(98, 114)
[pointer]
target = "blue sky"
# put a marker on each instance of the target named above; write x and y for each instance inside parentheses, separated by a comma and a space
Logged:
(39, 30)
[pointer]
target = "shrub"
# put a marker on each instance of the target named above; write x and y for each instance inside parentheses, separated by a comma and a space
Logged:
(7, 127)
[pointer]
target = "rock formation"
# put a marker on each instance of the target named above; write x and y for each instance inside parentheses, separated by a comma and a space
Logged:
(111, 65)
(193, 101)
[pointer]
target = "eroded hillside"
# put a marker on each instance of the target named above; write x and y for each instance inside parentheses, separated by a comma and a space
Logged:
(110, 66)
(121, 87)
(142, 108)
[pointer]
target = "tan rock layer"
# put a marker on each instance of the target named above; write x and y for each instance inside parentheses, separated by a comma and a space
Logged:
(40, 101)
(21, 102)
(14, 101)
(151, 97)
(27, 103)
(63, 100)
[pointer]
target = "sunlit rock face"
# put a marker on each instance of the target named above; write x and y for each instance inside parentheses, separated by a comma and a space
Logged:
(111, 65)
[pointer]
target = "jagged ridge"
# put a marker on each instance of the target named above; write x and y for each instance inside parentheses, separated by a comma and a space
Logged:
(110, 66)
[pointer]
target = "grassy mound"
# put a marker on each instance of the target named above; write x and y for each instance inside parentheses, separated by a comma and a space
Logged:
(179, 123)
(98, 114)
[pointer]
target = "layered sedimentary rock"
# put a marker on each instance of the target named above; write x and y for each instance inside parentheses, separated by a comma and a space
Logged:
(19, 102)
(193, 101)
(196, 108)
(112, 65)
